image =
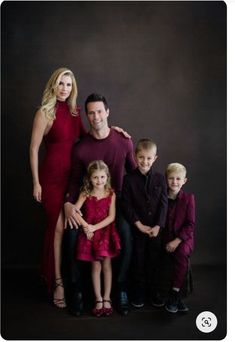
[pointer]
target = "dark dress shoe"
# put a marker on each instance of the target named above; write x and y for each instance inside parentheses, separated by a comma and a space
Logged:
(76, 307)
(123, 304)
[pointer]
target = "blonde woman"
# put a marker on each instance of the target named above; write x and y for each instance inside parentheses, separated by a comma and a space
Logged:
(58, 123)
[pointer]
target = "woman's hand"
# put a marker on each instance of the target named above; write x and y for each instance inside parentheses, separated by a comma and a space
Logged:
(37, 192)
(120, 130)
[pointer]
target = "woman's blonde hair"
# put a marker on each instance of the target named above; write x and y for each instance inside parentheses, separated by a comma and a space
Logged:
(48, 105)
(96, 165)
(175, 167)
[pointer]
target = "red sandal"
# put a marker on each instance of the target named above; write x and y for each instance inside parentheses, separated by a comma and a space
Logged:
(98, 312)
(107, 311)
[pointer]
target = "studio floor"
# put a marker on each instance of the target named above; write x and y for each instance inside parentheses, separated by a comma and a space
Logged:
(27, 315)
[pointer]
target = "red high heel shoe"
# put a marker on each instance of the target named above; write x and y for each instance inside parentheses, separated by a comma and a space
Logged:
(98, 312)
(107, 311)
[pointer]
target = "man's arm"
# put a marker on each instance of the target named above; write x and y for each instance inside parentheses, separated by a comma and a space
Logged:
(130, 163)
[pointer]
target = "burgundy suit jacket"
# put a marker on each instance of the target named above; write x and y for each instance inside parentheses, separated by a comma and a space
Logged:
(181, 219)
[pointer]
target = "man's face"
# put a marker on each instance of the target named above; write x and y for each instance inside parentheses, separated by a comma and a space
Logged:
(97, 115)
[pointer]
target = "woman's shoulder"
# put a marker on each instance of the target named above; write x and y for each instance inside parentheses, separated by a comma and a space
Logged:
(40, 118)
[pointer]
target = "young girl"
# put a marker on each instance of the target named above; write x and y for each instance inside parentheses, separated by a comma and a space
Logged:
(99, 241)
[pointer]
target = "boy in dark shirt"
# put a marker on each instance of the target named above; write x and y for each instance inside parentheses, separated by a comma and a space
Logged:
(178, 235)
(144, 200)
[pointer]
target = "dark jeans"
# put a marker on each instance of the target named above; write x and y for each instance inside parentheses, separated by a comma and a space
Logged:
(146, 264)
(75, 273)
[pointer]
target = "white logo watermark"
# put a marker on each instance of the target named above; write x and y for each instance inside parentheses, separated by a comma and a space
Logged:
(206, 321)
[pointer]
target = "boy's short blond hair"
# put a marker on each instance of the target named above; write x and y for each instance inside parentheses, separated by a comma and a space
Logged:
(145, 144)
(175, 167)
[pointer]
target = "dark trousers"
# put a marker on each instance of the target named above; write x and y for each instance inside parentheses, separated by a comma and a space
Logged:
(74, 266)
(146, 263)
(124, 259)
(75, 273)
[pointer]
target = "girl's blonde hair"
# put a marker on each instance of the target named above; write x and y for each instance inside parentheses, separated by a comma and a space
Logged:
(175, 167)
(49, 94)
(96, 165)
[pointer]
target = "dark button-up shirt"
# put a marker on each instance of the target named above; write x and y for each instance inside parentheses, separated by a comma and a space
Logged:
(144, 198)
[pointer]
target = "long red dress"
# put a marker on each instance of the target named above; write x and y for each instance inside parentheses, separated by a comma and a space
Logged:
(105, 241)
(54, 173)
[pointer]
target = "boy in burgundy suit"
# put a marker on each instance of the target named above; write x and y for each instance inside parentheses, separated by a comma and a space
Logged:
(178, 235)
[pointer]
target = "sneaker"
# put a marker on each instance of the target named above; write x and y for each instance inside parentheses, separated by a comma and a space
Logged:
(182, 307)
(172, 302)
(157, 301)
(137, 303)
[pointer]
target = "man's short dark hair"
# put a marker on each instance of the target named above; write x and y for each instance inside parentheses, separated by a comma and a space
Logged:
(96, 98)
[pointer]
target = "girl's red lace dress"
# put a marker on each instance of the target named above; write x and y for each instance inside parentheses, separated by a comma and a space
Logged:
(54, 173)
(106, 241)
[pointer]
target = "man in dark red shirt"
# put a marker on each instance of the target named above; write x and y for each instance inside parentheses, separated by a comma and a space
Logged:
(103, 143)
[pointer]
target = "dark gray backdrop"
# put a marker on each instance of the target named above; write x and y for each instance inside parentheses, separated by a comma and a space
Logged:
(162, 68)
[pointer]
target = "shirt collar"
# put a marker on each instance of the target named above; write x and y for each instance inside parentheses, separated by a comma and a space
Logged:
(147, 175)
(179, 195)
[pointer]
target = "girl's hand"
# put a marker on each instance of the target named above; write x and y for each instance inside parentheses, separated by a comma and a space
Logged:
(85, 229)
(37, 192)
(90, 228)
(120, 130)
(89, 235)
